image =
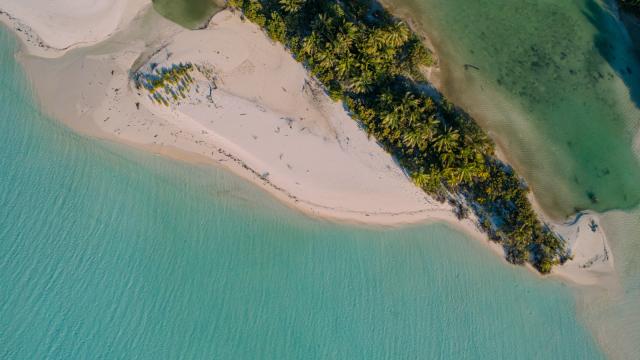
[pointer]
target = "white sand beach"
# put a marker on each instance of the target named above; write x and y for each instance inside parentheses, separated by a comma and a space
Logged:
(54, 26)
(251, 108)
(592, 257)
(256, 111)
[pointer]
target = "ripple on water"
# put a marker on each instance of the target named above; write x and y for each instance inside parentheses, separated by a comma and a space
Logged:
(110, 253)
(558, 87)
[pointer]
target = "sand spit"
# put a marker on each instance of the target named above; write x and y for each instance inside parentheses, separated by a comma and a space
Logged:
(250, 107)
(592, 257)
(52, 27)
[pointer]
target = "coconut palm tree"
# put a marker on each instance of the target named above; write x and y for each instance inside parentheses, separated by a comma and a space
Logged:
(421, 179)
(448, 141)
(447, 158)
(291, 6)
(391, 120)
(410, 108)
(324, 24)
(344, 66)
(326, 60)
(386, 98)
(397, 35)
(420, 137)
(310, 44)
(362, 82)
(412, 139)
(350, 29)
(342, 45)
(466, 172)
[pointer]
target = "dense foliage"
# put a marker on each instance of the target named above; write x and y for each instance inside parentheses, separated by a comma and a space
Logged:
(372, 62)
(632, 5)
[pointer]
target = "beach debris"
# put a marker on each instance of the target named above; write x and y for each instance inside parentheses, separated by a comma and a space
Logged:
(593, 225)
(165, 84)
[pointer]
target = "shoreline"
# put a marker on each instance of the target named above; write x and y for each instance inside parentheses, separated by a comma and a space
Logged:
(229, 159)
(231, 156)
(585, 247)
(51, 29)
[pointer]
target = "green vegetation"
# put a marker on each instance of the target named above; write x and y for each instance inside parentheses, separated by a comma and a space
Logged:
(372, 62)
(165, 84)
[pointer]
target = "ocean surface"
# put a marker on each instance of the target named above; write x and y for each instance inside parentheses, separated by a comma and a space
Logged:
(557, 84)
(107, 252)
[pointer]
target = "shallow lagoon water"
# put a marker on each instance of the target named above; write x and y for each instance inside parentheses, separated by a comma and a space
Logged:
(106, 252)
(188, 13)
(558, 86)
(556, 83)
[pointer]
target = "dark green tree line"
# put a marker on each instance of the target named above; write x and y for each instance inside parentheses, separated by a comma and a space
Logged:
(372, 62)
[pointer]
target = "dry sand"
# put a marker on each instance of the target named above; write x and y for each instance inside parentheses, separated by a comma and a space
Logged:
(592, 257)
(252, 109)
(53, 26)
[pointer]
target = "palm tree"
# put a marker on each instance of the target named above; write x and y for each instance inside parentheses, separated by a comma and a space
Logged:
(467, 172)
(447, 141)
(391, 120)
(397, 35)
(344, 66)
(452, 174)
(410, 108)
(324, 24)
(448, 158)
(421, 179)
(362, 82)
(386, 98)
(376, 41)
(419, 137)
(474, 161)
(430, 182)
(326, 60)
(310, 44)
(432, 123)
(291, 6)
(349, 29)
(342, 45)
(467, 155)
(412, 139)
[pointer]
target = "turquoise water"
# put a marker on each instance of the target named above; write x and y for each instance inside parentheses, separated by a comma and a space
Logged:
(110, 253)
(558, 86)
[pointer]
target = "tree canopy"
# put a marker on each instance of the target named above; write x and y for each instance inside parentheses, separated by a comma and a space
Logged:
(372, 62)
